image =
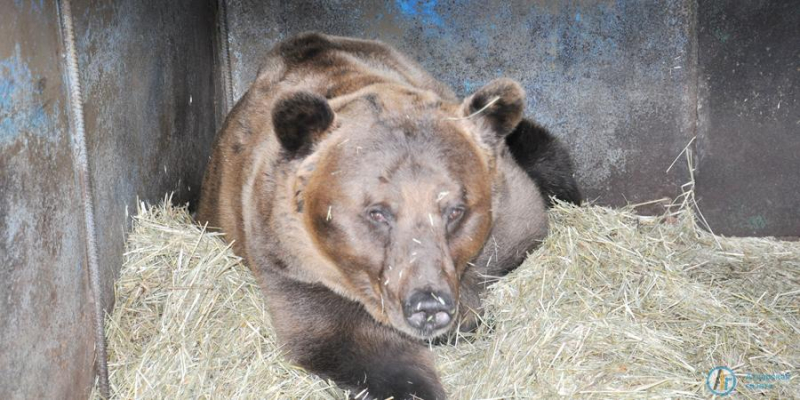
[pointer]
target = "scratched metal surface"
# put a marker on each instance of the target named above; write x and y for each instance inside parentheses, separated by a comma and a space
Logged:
(749, 139)
(148, 73)
(46, 345)
(148, 82)
(615, 79)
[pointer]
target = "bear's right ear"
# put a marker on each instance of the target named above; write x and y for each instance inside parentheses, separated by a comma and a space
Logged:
(497, 108)
(300, 118)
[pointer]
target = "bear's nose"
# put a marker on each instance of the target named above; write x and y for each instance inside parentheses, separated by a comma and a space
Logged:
(427, 310)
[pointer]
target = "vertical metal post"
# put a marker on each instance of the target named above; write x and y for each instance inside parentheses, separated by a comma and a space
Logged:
(82, 166)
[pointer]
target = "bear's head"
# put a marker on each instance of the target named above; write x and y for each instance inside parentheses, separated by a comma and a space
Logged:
(395, 189)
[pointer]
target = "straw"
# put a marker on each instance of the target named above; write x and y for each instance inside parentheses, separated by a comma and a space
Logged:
(612, 305)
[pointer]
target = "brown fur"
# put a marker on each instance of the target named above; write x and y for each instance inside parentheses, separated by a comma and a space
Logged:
(350, 180)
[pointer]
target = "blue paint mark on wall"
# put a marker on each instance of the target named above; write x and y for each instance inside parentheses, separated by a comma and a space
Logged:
(22, 108)
(6, 87)
(422, 10)
(757, 223)
(469, 86)
(37, 6)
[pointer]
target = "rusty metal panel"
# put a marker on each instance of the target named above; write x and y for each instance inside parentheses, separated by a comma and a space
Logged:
(749, 138)
(147, 70)
(46, 345)
(615, 79)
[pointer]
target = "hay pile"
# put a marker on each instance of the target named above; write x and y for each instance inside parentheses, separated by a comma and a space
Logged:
(611, 305)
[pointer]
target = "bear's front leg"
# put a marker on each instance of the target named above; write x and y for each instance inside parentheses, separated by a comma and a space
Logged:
(337, 339)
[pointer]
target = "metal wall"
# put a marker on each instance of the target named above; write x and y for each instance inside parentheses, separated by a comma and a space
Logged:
(148, 82)
(46, 345)
(147, 69)
(748, 180)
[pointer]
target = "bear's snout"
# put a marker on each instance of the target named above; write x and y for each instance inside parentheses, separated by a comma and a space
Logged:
(429, 311)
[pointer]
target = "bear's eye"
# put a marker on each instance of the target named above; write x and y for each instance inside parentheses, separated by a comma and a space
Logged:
(379, 216)
(455, 214)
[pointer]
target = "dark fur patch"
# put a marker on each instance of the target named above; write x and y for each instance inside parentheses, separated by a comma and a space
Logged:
(546, 161)
(374, 103)
(279, 264)
(298, 118)
(388, 365)
(304, 47)
(244, 126)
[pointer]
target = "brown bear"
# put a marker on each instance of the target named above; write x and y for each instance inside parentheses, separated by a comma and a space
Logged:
(373, 206)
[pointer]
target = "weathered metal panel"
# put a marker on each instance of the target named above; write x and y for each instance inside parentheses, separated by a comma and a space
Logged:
(748, 179)
(148, 73)
(148, 79)
(615, 79)
(46, 345)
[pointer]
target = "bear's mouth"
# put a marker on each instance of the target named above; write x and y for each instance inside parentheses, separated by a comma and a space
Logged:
(419, 325)
(426, 334)
(429, 332)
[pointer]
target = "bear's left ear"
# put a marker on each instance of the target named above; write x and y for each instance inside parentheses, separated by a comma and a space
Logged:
(300, 118)
(497, 108)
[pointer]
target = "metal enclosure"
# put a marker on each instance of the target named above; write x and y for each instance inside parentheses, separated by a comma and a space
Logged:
(628, 84)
